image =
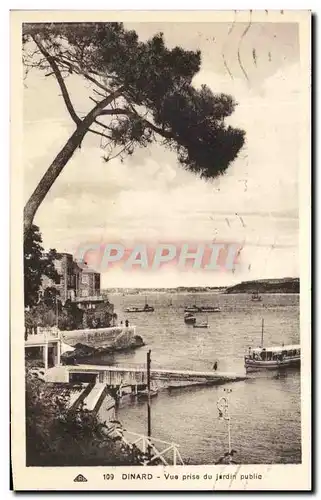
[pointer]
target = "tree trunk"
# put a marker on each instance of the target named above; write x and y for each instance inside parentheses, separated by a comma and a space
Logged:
(61, 160)
(51, 175)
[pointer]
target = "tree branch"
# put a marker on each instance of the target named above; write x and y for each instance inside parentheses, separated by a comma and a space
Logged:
(94, 81)
(77, 69)
(102, 124)
(99, 133)
(61, 160)
(98, 93)
(165, 133)
(115, 111)
(60, 80)
(109, 158)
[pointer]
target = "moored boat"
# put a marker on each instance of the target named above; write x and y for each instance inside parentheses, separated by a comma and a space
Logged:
(271, 358)
(192, 309)
(256, 297)
(143, 393)
(210, 309)
(201, 309)
(189, 319)
(200, 325)
(146, 308)
(204, 324)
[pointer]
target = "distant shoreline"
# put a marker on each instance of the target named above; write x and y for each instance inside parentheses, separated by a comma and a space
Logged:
(266, 286)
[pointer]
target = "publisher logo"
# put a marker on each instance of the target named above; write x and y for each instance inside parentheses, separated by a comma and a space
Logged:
(80, 479)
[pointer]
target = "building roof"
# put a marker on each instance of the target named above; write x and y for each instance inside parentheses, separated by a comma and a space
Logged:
(85, 268)
(71, 391)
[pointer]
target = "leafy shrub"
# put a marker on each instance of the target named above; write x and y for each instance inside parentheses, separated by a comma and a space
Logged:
(56, 436)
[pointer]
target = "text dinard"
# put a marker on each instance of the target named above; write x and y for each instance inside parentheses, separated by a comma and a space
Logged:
(166, 476)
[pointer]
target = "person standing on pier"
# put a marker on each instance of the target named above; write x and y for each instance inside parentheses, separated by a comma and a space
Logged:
(215, 366)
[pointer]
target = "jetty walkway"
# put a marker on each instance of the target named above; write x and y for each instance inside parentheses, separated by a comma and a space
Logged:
(115, 376)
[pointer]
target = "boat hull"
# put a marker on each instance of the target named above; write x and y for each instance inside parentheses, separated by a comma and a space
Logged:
(195, 310)
(191, 310)
(258, 365)
(144, 310)
(144, 394)
(190, 321)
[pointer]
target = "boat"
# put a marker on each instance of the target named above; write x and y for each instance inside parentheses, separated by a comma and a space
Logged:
(146, 308)
(189, 319)
(272, 358)
(200, 325)
(192, 309)
(201, 309)
(204, 324)
(256, 297)
(143, 393)
(209, 309)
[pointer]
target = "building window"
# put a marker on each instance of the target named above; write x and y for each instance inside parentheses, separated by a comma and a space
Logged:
(58, 265)
(85, 279)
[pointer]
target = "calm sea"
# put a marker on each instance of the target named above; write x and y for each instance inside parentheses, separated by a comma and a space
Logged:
(265, 409)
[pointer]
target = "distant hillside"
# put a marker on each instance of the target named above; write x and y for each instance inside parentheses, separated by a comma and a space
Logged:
(282, 285)
(179, 289)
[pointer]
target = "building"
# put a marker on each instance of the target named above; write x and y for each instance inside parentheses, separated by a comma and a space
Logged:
(89, 282)
(98, 312)
(46, 345)
(75, 279)
(69, 273)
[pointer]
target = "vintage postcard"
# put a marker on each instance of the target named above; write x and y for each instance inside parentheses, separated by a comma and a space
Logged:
(160, 250)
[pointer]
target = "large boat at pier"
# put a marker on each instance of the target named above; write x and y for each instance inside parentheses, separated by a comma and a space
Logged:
(275, 357)
(271, 358)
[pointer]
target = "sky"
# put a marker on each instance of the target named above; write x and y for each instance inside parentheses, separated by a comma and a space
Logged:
(149, 197)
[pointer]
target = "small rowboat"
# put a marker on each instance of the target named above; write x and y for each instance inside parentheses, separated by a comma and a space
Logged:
(189, 319)
(143, 394)
(200, 325)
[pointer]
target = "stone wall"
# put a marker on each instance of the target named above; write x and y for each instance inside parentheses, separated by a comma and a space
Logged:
(120, 336)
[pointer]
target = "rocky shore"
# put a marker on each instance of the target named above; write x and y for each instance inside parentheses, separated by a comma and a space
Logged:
(82, 350)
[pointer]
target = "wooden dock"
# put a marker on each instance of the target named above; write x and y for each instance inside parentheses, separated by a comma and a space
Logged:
(114, 376)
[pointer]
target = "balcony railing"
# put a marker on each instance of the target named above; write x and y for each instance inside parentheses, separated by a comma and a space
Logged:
(91, 298)
(43, 335)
